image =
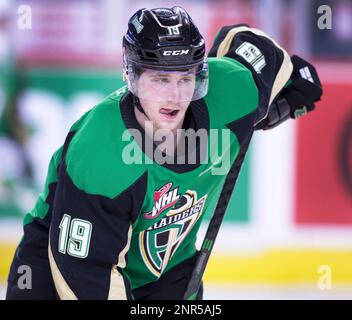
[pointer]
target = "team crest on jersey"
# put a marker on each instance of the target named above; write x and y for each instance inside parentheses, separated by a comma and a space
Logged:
(160, 241)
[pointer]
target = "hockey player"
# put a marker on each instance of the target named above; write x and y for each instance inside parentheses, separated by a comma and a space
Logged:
(107, 228)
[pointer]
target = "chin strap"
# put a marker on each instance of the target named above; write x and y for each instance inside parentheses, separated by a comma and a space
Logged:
(137, 104)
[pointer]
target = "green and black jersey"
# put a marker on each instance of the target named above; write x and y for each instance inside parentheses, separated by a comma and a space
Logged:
(104, 225)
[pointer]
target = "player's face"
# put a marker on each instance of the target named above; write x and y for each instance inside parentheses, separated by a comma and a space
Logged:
(166, 95)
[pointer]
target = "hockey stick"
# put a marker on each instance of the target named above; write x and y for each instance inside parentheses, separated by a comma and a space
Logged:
(215, 223)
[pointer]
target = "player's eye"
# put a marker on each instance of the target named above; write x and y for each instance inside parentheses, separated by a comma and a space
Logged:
(161, 80)
(186, 80)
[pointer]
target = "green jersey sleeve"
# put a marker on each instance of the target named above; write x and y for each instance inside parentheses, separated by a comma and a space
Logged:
(94, 209)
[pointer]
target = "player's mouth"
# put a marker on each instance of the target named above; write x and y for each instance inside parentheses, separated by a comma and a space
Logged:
(169, 113)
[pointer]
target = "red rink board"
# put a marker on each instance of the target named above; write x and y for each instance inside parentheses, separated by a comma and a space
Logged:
(322, 196)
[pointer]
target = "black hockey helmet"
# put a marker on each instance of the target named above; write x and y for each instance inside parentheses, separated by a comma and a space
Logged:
(164, 39)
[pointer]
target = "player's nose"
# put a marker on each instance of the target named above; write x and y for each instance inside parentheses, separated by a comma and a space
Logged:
(174, 93)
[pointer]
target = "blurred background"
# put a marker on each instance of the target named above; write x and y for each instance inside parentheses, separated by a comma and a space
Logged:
(288, 231)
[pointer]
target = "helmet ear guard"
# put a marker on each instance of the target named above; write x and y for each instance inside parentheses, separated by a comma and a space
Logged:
(124, 66)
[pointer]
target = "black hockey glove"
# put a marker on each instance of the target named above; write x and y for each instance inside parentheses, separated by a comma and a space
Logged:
(297, 98)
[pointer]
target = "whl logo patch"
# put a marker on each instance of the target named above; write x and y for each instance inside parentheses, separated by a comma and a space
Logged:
(159, 242)
(164, 198)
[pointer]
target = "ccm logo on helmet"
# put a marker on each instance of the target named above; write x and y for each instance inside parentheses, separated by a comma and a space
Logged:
(175, 52)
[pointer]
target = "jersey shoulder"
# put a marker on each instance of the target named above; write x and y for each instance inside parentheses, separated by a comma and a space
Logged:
(232, 92)
(95, 158)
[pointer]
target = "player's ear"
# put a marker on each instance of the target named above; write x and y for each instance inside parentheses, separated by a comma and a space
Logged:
(125, 75)
(124, 67)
